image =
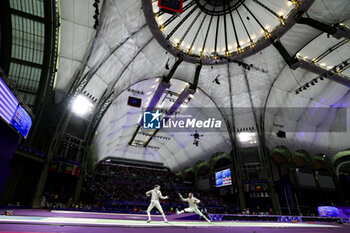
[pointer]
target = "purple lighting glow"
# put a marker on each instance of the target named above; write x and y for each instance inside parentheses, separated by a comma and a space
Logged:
(156, 97)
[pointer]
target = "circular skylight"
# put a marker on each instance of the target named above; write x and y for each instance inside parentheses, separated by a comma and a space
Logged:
(215, 29)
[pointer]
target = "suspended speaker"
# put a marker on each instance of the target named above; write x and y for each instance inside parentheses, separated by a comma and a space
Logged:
(281, 134)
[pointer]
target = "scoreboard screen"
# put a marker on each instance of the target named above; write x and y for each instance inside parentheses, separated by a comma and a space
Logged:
(171, 5)
(12, 112)
(328, 211)
(134, 102)
(223, 178)
(8, 103)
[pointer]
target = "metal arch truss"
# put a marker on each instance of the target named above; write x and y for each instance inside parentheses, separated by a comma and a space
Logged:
(337, 30)
(311, 66)
(80, 83)
(100, 111)
(330, 50)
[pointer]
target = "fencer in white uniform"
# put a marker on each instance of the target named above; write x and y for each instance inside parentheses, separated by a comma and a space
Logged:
(192, 208)
(155, 196)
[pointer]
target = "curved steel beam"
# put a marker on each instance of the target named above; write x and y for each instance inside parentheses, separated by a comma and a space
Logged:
(157, 95)
(337, 30)
(93, 70)
(330, 50)
(109, 92)
(236, 159)
(191, 89)
(331, 75)
(264, 158)
(309, 65)
(112, 84)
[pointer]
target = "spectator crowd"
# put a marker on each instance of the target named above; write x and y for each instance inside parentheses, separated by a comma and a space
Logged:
(116, 186)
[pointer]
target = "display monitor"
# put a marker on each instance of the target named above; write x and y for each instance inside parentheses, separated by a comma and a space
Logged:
(328, 211)
(134, 102)
(223, 178)
(12, 112)
(21, 121)
(8, 102)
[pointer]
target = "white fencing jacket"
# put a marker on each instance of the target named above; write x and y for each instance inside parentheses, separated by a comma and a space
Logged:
(192, 201)
(156, 195)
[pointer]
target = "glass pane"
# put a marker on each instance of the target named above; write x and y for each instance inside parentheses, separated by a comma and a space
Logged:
(33, 7)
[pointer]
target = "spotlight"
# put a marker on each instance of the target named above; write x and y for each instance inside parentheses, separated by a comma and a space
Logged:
(95, 5)
(95, 16)
(315, 80)
(304, 88)
(321, 78)
(312, 83)
(307, 85)
(82, 105)
(297, 92)
(246, 137)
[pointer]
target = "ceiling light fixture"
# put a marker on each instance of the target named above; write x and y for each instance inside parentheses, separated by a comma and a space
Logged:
(82, 106)
(247, 137)
(313, 82)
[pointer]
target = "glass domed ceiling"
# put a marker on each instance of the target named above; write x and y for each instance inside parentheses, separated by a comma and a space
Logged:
(221, 28)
